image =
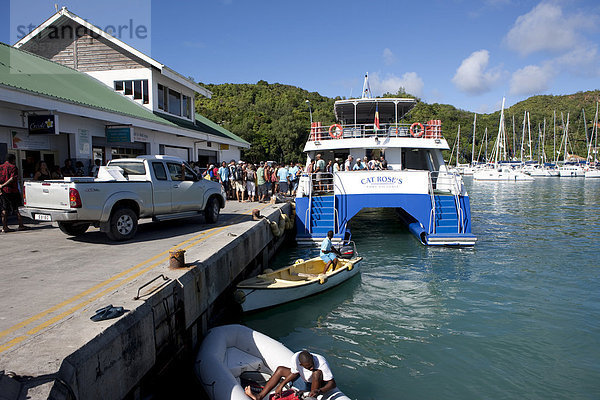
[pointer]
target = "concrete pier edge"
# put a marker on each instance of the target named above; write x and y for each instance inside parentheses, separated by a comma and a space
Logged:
(173, 317)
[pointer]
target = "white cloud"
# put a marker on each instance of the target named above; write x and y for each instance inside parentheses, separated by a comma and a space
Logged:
(473, 75)
(581, 60)
(410, 81)
(388, 57)
(531, 80)
(546, 28)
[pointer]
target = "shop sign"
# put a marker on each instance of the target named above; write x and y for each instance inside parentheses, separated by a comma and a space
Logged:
(119, 134)
(140, 137)
(83, 143)
(224, 147)
(23, 141)
(42, 124)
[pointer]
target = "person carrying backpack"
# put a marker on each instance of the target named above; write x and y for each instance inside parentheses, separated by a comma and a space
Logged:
(239, 181)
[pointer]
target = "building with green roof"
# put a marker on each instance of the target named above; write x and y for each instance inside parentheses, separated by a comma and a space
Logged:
(104, 99)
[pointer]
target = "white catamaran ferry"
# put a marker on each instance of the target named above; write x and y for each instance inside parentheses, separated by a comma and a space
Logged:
(430, 200)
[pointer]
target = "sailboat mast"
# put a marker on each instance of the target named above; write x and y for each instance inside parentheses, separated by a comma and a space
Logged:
(554, 137)
(514, 141)
(457, 145)
(473, 144)
(529, 135)
(523, 136)
(544, 158)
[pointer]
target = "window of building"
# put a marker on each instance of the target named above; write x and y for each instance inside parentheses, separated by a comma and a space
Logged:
(186, 107)
(128, 88)
(137, 88)
(174, 102)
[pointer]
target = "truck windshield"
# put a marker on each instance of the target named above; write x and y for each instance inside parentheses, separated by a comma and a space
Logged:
(130, 168)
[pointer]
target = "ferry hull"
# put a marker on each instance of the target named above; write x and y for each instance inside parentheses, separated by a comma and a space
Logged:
(415, 210)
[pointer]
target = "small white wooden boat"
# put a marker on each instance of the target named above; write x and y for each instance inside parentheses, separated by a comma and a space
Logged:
(228, 353)
(293, 282)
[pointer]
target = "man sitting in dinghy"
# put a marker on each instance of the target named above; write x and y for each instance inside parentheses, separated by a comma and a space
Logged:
(308, 372)
(328, 252)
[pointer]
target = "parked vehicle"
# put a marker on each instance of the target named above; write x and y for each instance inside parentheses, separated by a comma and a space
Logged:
(157, 187)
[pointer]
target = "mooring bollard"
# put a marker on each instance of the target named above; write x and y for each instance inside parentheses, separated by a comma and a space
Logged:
(177, 258)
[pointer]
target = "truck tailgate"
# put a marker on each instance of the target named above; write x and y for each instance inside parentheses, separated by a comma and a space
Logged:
(48, 194)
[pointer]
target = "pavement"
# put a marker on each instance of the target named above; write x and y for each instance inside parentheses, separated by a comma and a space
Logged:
(51, 284)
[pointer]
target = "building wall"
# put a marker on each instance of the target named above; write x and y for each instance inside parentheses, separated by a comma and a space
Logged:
(72, 45)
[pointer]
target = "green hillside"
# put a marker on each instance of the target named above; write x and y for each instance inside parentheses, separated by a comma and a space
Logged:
(275, 119)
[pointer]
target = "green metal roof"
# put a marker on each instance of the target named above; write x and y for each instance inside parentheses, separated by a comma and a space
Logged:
(25, 71)
(202, 124)
(206, 123)
(32, 73)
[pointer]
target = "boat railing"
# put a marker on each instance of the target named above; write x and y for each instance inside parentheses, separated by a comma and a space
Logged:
(432, 212)
(430, 130)
(449, 183)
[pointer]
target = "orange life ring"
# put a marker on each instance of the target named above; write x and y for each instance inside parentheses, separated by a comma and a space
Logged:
(335, 133)
(417, 134)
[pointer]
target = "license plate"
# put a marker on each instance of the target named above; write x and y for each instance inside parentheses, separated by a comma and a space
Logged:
(42, 217)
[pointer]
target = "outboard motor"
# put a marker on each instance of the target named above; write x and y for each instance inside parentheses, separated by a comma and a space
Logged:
(347, 251)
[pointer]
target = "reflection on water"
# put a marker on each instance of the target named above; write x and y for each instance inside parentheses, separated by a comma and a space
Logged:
(518, 315)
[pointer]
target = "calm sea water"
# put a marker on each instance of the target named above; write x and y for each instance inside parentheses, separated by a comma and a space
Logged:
(516, 316)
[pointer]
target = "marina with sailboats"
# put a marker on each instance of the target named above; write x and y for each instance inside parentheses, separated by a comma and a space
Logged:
(527, 160)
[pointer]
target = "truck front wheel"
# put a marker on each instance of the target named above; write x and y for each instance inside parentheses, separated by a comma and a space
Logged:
(211, 212)
(123, 224)
(73, 229)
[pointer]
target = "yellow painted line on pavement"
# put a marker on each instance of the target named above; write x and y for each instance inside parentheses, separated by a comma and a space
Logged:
(190, 243)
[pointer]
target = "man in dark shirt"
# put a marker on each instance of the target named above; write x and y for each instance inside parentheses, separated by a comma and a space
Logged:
(68, 169)
(10, 196)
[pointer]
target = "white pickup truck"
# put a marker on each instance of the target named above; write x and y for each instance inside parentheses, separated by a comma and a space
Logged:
(160, 187)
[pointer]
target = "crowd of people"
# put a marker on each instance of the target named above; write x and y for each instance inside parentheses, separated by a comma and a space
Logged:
(259, 182)
(245, 181)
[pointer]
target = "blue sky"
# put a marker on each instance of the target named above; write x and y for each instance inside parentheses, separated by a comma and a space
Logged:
(466, 53)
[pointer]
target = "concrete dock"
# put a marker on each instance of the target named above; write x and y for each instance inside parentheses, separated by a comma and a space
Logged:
(51, 284)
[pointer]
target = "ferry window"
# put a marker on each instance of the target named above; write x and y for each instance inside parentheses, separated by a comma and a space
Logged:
(174, 102)
(119, 86)
(159, 171)
(175, 171)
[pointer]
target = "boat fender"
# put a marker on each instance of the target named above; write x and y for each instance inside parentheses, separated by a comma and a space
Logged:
(419, 133)
(335, 131)
(349, 266)
(322, 278)
(286, 220)
(282, 224)
(275, 228)
(239, 296)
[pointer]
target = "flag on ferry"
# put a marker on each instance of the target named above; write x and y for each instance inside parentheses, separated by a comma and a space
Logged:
(376, 116)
